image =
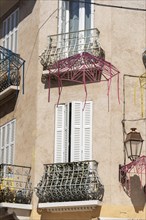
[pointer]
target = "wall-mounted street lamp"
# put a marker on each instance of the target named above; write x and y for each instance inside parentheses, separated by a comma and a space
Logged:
(133, 148)
(133, 144)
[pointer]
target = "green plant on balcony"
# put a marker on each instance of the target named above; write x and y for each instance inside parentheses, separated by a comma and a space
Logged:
(15, 185)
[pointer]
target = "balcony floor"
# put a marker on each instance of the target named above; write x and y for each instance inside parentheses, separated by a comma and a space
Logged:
(71, 206)
(8, 91)
(15, 205)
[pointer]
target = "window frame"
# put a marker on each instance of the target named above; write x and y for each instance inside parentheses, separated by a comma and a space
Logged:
(71, 41)
(73, 124)
(81, 15)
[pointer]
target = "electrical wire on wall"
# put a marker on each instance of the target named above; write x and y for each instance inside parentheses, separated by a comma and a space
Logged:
(144, 60)
(98, 5)
(142, 84)
(108, 5)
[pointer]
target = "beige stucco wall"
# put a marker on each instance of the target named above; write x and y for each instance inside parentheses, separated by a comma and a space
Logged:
(25, 106)
(122, 36)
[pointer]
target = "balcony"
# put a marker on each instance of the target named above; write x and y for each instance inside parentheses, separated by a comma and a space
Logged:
(65, 45)
(15, 186)
(10, 64)
(70, 186)
(75, 57)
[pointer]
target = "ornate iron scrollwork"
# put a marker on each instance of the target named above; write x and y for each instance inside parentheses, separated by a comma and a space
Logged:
(74, 181)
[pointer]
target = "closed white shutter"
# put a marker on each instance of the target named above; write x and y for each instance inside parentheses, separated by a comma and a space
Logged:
(7, 146)
(87, 131)
(63, 27)
(76, 131)
(7, 142)
(63, 17)
(2, 144)
(59, 133)
(66, 134)
(12, 142)
(10, 31)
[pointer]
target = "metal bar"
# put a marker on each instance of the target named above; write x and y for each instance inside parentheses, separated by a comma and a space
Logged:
(23, 68)
(4, 164)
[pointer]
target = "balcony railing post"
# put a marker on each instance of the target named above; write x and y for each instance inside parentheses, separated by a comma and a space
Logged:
(9, 66)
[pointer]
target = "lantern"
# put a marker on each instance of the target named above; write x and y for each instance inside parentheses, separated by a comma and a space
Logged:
(133, 144)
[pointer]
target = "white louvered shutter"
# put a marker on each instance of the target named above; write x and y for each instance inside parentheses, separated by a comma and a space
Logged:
(2, 144)
(63, 27)
(66, 134)
(10, 31)
(76, 131)
(7, 146)
(87, 131)
(7, 142)
(12, 141)
(59, 133)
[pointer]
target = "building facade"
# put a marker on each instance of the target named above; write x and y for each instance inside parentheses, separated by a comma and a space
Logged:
(72, 84)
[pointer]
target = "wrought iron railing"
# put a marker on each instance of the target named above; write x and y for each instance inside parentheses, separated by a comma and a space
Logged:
(68, 44)
(10, 64)
(73, 181)
(11, 78)
(133, 173)
(15, 184)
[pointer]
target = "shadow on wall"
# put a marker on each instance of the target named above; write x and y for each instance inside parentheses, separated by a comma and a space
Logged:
(137, 195)
(8, 105)
(27, 8)
(4, 215)
(78, 215)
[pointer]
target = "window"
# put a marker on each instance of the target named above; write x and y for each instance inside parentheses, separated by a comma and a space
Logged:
(73, 132)
(76, 19)
(10, 31)
(7, 142)
(75, 15)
